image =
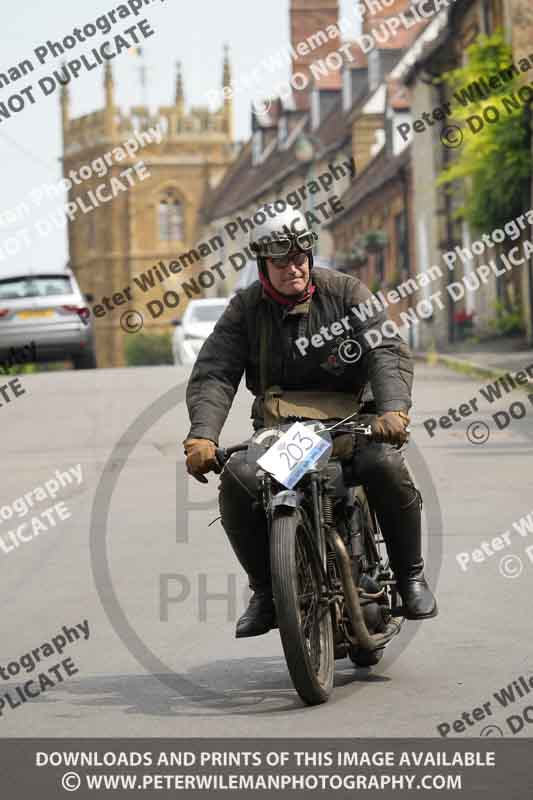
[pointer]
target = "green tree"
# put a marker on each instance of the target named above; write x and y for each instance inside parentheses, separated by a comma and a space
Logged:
(494, 163)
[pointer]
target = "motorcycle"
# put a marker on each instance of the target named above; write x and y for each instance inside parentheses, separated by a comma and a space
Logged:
(333, 587)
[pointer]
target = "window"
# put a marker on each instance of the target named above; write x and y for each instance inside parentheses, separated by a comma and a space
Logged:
(486, 15)
(374, 70)
(346, 89)
(207, 313)
(401, 243)
(35, 286)
(170, 218)
(380, 267)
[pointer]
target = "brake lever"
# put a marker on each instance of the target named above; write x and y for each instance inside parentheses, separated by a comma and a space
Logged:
(366, 430)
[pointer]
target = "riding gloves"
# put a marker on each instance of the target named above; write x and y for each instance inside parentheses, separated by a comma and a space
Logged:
(201, 458)
(392, 427)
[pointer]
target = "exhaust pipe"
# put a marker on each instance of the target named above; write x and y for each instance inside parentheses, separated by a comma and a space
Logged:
(363, 638)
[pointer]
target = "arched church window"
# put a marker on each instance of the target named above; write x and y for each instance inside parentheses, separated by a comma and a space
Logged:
(170, 218)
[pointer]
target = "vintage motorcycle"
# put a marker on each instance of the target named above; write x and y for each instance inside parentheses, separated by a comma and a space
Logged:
(333, 588)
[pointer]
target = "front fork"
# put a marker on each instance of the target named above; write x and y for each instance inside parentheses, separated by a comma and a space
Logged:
(292, 499)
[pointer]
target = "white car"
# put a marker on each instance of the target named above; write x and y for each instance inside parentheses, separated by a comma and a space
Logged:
(195, 326)
(46, 307)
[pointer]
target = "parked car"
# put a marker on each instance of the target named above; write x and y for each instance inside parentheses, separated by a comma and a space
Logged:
(44, 307)
(194, 327)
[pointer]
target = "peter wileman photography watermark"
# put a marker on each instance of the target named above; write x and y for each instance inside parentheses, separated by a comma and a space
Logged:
(380, 31)
(15, 357)
(478, 431)
(452, 136)
(43, 681)
(155, 277)
(88, 61)
(84, 202)
(24, 532)
(510, 565)
(197, 595)
(503, 698)
(351, 349)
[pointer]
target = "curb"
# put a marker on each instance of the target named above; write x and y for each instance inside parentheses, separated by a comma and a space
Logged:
(465, 367)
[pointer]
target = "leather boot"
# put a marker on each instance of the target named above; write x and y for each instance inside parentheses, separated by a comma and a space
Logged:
(418, 600)
(246, 528)
(251, 549)
(402, 531)
(408, 565)
(259, 617)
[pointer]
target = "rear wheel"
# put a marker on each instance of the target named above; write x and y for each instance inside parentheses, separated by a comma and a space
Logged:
(303, 616)
(372, 543)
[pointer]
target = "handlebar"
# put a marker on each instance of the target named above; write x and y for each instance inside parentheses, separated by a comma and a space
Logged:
(222, 454)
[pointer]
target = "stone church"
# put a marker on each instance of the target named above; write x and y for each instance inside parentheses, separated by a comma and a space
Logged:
(156, 218)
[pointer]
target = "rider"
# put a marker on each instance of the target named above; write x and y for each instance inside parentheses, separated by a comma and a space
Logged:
(293, 300)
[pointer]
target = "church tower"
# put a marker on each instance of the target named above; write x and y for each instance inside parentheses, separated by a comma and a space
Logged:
(156, 219)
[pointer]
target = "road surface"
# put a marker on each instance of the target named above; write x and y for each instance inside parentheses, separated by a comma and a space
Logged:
(161, 658)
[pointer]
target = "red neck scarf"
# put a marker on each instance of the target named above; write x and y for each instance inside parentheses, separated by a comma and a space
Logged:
(284, 299)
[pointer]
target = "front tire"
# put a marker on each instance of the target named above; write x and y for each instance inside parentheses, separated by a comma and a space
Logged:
(304, 621)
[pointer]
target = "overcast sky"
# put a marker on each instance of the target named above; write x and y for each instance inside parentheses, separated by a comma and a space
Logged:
(30, 142)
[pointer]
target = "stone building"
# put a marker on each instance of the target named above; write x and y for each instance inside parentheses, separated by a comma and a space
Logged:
(438, 227)
(340, 114)
(185, 154)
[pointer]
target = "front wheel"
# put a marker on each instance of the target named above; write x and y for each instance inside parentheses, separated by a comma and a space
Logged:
(303, 615)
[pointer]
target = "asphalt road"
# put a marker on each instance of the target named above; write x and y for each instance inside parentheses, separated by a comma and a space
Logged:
(153, 667)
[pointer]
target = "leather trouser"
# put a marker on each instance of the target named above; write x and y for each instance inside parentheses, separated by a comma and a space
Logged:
(381, 470)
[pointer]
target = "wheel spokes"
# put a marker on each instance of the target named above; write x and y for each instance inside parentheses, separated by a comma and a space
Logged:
(308, 598)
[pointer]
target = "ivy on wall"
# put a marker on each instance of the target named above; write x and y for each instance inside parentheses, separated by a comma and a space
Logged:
(493, 162)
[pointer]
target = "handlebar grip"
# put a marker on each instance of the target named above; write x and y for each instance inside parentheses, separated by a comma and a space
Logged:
(221, 456)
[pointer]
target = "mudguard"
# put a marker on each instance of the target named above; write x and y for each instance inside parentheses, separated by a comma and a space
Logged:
(288, 499)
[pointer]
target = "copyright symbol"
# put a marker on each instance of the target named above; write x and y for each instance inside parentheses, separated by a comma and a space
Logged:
(491, 730)
(131, 321)
(71, 781)
(350, 351)
(478, 432)
(511, 566)
(452, 136)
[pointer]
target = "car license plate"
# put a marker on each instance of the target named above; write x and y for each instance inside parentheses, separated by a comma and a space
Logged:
(45, 312)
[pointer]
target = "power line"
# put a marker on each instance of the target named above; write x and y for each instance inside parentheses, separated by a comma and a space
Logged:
(46, 164)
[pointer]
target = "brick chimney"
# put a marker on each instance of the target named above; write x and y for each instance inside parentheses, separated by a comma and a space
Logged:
(309, 38)
(378, 13)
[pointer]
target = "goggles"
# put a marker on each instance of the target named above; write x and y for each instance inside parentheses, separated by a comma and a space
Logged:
(280, 246)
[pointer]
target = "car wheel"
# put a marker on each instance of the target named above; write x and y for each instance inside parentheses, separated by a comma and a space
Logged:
(86, 360)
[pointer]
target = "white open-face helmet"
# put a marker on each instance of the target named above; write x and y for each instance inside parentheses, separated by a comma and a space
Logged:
(278, 233)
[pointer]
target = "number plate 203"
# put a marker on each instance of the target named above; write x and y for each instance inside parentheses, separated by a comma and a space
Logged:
(296, 452)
